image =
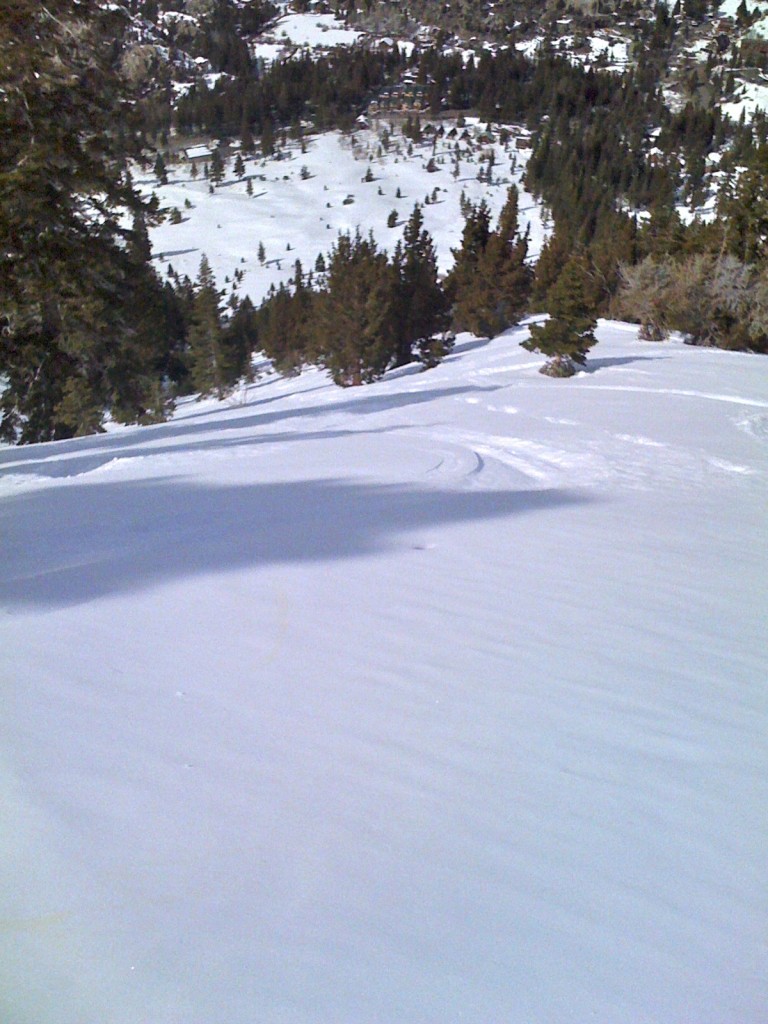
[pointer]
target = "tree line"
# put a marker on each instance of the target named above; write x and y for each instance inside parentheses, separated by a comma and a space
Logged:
(89, 329)
(359, 312)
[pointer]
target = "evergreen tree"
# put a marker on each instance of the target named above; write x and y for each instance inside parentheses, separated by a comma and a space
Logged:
(160, 170)
(474, 238)
(495, 293)
(357, 332)
(745, 209)
(239, 340)
(553, 257)
(421, 305)
(284, 322)
(216, 170)
(267, 139)
(568, 334)
(209, 373)
(70, 281)
(247, 142)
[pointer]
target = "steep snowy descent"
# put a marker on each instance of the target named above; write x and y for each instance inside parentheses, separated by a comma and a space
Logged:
(442, 699)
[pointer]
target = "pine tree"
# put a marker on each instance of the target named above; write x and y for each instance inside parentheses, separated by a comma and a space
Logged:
(160, 170)
(216, 170)
(239, 167)
(208, 371)
(69, 278)
(285, 320)
(357, 335)
(745, 209)
(568, 334)
(552, 259)
(267, 139)
(474, 238)
(247, 143)
(492, 294)
(422, 308)
(239, 340)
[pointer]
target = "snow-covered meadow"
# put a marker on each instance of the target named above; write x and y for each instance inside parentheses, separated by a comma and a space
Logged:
(301, 201)
(442, 699)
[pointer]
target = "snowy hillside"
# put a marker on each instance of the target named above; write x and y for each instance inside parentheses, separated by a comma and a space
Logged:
(437, 700)
(299, 202)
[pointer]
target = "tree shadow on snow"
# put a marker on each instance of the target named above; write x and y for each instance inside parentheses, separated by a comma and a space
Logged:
(75, 544)
(84, 454)
(593, 365)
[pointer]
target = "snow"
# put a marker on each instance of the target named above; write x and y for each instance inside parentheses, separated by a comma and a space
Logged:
(307, 213)
(753, 96)
(437, 700)
(198, 152)
(529, 47)
(729, 8)
(315, 30)
(616, 51)
(268, 52)
(610, 54)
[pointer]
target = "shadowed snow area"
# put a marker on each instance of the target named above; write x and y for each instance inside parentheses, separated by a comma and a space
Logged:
(116, 537)
(438, 700)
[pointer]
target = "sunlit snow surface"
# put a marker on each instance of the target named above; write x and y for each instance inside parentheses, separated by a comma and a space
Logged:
(301, 202)
(442, 699)
(315, 30)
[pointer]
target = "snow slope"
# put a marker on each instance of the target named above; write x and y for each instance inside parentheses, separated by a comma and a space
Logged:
(438, 700)
(299, 217)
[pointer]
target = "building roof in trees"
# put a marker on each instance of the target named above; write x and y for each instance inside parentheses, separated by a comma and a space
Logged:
(198, 152)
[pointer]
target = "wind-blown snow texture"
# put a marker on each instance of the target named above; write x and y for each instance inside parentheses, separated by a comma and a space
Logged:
(438, 700)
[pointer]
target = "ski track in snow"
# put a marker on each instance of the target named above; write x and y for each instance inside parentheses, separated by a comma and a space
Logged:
(437, 700)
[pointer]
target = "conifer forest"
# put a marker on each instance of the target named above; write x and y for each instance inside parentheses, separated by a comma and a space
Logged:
(91, 328)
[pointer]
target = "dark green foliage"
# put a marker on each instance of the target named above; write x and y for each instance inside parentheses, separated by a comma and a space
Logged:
(356, 328)
(81, 308)
(566, 337)
(331, 89)
(240, 338)
(218, 350)
(210, 373)
(368, 314)
(474, 238)
(286, 327)
(216, 170)
(554, 254)
(743, 205)
(491, 281)
(160, 170)
(421, 308)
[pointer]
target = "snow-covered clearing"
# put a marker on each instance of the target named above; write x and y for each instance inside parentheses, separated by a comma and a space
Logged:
(752, 96)
(302, 201)
(315, 30)
(438, 700)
